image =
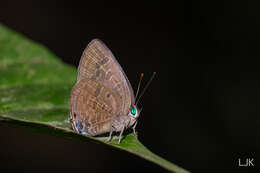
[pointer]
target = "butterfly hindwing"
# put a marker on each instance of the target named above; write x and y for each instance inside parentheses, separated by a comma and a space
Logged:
(94, 106)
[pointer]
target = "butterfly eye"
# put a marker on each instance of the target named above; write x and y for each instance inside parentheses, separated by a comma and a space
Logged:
(133, 111)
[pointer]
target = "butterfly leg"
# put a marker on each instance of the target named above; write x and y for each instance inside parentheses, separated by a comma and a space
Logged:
(110, 135)
(121, 133)
(135, 133)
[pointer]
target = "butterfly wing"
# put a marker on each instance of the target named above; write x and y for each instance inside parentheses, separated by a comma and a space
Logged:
(98, 63)
(93, 107)
(102, 91)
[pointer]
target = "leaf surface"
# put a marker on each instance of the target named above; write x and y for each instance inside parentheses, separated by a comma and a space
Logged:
(34, 93)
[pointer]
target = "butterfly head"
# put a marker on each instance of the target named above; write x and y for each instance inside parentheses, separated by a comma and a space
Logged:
(134, 112)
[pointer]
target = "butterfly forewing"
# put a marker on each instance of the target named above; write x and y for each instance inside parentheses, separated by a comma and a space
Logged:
(98, 63)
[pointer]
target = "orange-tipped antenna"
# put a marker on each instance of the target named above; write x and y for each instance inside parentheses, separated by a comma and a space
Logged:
(139, 84)
(146, 86)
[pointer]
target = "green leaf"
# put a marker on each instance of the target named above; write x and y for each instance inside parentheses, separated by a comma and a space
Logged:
(34, 93)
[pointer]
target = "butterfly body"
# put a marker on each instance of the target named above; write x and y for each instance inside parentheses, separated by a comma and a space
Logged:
(102, 99)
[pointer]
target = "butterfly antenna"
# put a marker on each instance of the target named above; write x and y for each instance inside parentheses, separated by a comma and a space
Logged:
(146, 86)
(140, 110)
(139, 84)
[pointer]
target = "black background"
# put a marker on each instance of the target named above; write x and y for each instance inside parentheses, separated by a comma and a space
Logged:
(201, 111)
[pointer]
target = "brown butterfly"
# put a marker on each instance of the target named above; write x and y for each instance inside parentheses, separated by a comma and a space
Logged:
(102, 100)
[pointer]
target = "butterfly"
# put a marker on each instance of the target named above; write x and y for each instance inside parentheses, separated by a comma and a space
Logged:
(102, 100)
